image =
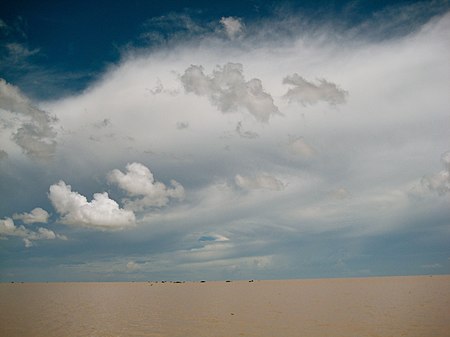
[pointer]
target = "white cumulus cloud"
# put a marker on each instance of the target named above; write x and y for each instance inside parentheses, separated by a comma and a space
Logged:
(139, 183)
(37, 215)
(101, 213)
(9, 229)
(228, 90)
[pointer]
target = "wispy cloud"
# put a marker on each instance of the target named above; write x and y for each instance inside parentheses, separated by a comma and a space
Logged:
(260, 181)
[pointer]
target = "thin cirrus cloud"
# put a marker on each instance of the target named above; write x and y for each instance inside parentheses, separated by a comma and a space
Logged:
(18, 52)
(260, 181)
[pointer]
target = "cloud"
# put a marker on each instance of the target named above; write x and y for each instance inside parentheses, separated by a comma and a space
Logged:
(19, 52)
(445, 159)
(35, 133)
(170, 28)
(228, 90)
(306, 92)
(15, 30)
(233, 26)
(14, 46)
(133, 266)
(245, 134)
(139, 182)
(340, 193)
(101, 213)
(3, 154)
(431, 266)
(160, 89)
(298, 146)
(37, 215)
(3, 25)
(213, 238)
(182, 125)
(383, 122)
(8, 228)
(261, 181)
(102, 124)
(440, 182)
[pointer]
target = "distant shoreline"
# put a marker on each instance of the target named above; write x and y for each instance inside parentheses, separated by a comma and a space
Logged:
(234, 280)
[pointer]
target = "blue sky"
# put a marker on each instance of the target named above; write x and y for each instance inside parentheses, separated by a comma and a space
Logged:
(185, 140)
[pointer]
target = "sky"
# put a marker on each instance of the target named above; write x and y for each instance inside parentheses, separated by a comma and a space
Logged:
(190, 140)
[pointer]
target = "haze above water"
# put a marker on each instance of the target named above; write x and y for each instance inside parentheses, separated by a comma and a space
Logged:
(387, 306)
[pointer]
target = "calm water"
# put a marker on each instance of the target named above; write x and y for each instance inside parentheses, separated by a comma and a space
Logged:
(393, 306)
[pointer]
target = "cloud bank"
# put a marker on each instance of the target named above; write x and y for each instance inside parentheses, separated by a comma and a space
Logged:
(316, 191)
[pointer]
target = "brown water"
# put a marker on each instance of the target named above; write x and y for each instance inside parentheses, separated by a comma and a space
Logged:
(389, 306)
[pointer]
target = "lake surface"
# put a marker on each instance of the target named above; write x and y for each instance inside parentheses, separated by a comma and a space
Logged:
(385, 306)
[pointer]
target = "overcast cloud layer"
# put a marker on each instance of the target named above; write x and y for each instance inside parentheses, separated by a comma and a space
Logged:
(243, 151)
